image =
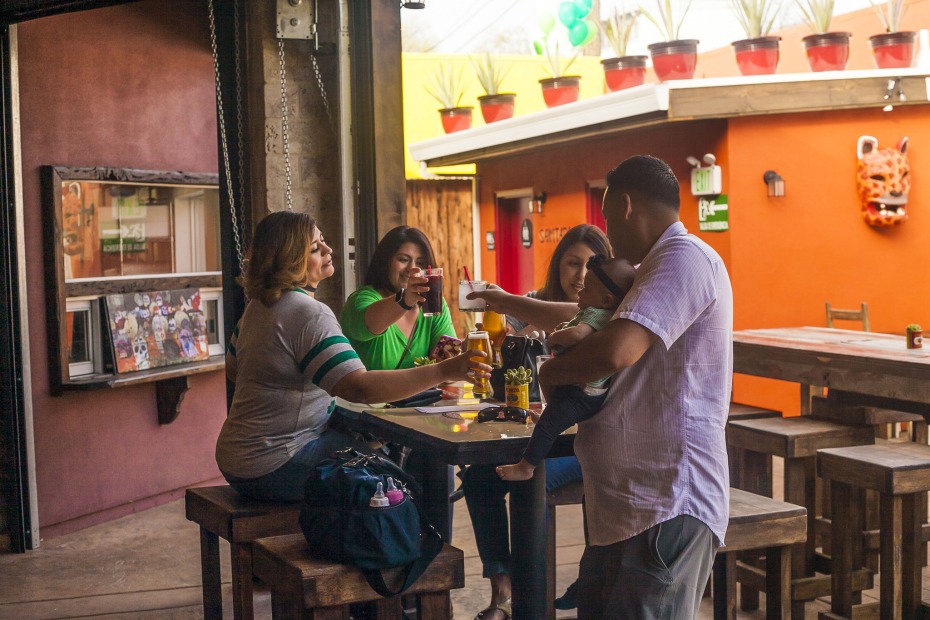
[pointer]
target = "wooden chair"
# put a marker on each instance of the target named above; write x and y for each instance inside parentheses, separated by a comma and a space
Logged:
(563, 496)
(900, 474)
(304, 587)
(221, 512)
(862, 315)
(773, 527)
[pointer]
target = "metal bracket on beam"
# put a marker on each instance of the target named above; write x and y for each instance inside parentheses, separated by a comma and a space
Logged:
(295, 20)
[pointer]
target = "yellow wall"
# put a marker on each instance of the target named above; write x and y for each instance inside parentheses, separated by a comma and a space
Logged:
(421, 116)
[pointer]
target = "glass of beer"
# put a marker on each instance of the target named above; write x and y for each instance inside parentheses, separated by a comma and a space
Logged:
(432, 299)
(479, 341)
(496, 326)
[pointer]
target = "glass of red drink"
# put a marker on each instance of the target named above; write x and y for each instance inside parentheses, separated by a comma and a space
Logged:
(432, 303)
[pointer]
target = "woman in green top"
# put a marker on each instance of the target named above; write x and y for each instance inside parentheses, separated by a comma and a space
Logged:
(382, 319)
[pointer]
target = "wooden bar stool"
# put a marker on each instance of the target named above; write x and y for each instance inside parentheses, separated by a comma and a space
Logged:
(750, 471)
(563, 496)
(304, 587)
(900, 473)
(758, 522)
(222, 512)
(797, 440)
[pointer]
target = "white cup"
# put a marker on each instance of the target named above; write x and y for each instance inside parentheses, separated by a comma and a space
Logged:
(466, 287)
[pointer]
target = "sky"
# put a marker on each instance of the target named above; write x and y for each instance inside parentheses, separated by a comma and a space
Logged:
(510, 26)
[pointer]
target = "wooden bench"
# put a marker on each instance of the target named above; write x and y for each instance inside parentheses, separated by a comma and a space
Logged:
(797, 441)
(759, 522)
(900, 474)
(222, 512)
(304, 587)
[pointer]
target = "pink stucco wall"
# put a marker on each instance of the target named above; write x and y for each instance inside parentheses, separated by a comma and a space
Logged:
(129, 86)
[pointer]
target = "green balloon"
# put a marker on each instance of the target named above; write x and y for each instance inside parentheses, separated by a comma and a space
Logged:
(568, 14)
(546, 22)
(582, 8)
(577, 33)
(592, 34)
(588, 3)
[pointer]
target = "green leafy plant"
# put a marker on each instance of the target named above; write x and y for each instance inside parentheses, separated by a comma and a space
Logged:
(756, 16)
(518, 376)
(489, 72)
(554, 67)
(914, 327)
(817, 14)
(892, 13)
(617, 29)
(666, 22)
(447, 86)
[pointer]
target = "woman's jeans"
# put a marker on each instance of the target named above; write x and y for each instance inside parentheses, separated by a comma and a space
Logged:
(485, 493)
(286, 483)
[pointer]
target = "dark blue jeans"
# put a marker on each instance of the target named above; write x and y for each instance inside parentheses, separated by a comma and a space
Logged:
(569, 406)
(484, 495)
(286, 483)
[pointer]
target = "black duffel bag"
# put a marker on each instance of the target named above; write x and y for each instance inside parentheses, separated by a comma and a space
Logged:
(518, 351)
(340, 526)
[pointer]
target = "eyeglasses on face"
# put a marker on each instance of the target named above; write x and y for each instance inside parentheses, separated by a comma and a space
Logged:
(503, 414)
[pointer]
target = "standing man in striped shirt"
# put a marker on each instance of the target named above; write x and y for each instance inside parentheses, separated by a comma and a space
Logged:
(654, 457)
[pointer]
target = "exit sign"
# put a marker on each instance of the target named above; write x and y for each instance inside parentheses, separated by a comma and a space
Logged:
(706, 181)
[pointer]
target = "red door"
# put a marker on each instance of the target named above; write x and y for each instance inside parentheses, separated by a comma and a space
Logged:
(515, 265)
(595, 207)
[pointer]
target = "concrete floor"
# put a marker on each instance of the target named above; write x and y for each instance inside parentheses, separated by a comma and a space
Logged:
(147, 565)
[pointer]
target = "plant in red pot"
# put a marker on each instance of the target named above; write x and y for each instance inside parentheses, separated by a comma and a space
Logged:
(893, 49)
(448, 88)
(559, 88)
(674, 58)
(826, 51)
(495, 105)
(622, 71)
(757, 54)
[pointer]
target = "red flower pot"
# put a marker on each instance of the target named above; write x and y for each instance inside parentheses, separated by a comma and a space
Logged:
(893, 50)
(497, 107)
(560, 90)
(674, 60)
(757, 56)
(455, 119)
(828, 51)
(624, 72)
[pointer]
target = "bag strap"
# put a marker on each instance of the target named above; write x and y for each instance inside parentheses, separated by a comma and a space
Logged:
(413, 332)
(430, 547)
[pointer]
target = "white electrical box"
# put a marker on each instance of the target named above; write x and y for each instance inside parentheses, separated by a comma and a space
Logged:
(706, 181)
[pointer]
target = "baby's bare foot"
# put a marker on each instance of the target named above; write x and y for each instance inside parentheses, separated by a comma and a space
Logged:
(518, 471)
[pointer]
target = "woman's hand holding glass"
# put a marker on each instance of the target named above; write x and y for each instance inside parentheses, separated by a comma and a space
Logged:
(466, 367)
(416, 287)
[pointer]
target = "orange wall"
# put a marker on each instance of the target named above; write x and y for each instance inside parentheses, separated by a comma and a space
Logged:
(786, 256)
(563, 173)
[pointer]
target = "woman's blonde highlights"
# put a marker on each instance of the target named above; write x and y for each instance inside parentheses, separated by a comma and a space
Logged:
(278, 257)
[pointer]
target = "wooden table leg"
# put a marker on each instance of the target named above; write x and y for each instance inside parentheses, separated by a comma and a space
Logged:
(434, 606)
(210, 575)
(778, 583)
(724, 577)
(890, 590)
(845, 529)
(911, 552)
(528, 546)
(241, 556)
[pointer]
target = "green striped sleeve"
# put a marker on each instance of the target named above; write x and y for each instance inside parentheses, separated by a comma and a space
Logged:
(332, 363)
(319, 348)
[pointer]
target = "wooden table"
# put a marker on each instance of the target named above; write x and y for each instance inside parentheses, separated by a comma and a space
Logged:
(859, 367)
(448, 438)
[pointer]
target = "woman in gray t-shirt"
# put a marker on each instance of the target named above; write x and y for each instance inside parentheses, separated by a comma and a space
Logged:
(288, 358)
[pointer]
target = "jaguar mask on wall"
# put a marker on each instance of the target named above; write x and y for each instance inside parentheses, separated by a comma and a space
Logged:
(883, 182)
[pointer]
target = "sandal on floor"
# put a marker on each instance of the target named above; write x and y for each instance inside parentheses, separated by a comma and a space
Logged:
(503, 607)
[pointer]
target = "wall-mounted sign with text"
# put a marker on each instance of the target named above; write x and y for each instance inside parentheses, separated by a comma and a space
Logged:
(714, 214)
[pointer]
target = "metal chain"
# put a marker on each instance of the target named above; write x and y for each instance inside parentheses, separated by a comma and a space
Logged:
(284, 138)
(240, 145)
(319, 81)
(225, 148)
